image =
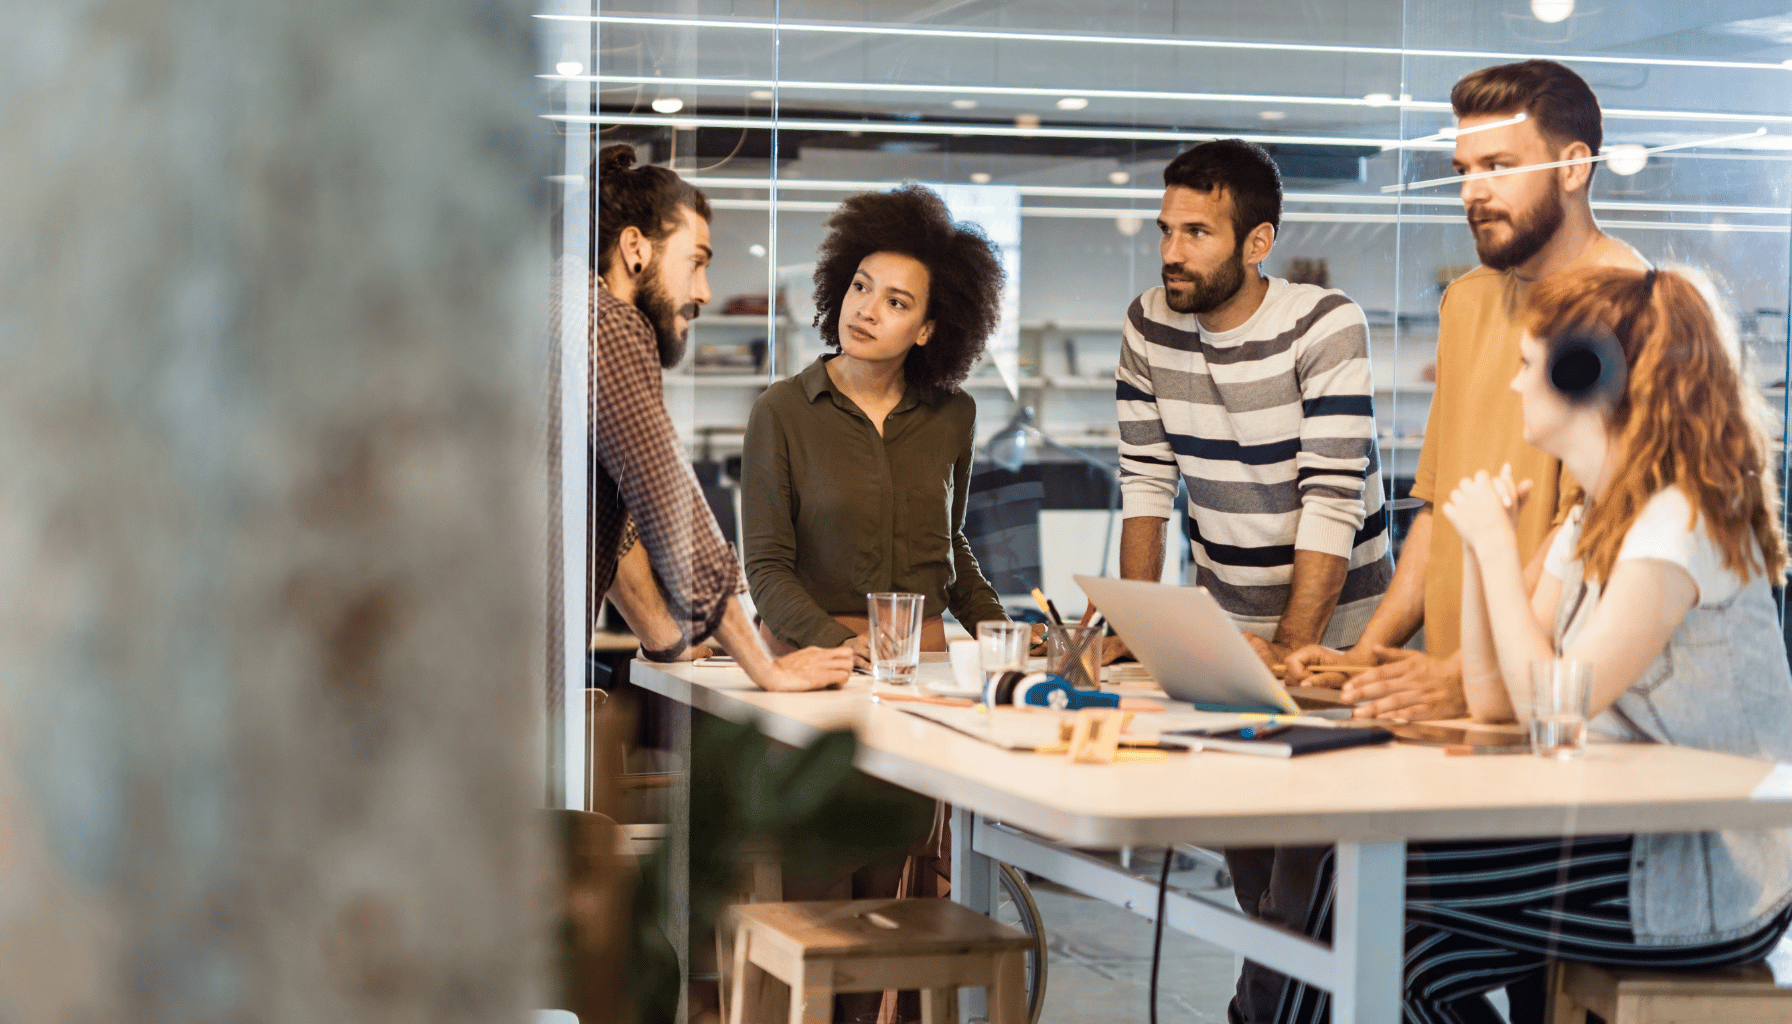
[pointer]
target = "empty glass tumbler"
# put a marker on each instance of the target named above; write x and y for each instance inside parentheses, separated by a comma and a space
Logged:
(1560, 689)
(895, 637)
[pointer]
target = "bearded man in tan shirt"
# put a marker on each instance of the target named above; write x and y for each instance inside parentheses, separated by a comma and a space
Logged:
(1528, 225)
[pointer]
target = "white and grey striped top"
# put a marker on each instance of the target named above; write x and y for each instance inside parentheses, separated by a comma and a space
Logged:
(1272, 427)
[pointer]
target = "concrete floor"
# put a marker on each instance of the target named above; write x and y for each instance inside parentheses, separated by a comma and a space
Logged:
(1101, 957)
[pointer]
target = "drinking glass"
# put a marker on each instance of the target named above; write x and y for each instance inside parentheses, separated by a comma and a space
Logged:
(1074, 652)
(1560, 689)
(895, 637)
(1003, 646)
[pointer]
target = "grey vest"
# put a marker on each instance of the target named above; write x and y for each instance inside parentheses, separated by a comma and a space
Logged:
(1721, 684)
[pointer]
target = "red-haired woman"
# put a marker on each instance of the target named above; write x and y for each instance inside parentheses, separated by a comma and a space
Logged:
(1660, 579)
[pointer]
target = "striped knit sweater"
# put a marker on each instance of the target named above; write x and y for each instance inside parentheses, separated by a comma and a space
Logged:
(1272, 427)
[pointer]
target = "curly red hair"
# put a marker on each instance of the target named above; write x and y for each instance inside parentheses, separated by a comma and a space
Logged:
(1688, 417)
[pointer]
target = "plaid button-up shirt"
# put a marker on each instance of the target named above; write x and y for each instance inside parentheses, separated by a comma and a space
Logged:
(639, 472)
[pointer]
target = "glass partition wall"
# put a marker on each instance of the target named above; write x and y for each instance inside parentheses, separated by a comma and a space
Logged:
(1049, 122)
(1053, 121)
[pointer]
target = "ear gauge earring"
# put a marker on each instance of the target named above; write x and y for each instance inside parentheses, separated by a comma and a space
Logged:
(637, 268)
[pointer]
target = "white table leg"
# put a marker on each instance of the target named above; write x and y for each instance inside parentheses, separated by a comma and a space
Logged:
(1368, 932)
(973, 887)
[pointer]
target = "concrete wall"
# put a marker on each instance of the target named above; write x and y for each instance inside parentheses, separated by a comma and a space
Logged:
(270, 537)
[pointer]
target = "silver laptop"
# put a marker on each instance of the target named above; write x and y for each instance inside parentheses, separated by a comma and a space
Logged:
(1189, 644)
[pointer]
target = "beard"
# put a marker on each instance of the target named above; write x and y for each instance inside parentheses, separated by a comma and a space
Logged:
(1207, 292)
(1531, 231)
(652, 300)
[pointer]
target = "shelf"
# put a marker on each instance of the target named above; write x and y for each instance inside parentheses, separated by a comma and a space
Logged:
(750, 320)
(717, 380)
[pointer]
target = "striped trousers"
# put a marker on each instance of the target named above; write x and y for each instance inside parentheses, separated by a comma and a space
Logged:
(1483, 915)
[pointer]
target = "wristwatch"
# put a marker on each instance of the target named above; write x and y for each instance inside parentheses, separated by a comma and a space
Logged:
(668, 654)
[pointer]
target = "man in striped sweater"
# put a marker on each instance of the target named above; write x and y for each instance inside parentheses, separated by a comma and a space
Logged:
(1255, 394)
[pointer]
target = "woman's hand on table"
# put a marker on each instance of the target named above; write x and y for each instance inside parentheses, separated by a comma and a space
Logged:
(812, 668)
(1113, 649)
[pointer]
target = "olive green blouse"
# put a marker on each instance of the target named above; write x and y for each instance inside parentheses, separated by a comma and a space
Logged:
(832, 511)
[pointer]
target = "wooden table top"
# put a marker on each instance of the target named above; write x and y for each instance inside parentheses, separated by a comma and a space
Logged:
(1373, 794)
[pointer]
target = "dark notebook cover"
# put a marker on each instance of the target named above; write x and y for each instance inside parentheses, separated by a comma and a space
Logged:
(1301, 739)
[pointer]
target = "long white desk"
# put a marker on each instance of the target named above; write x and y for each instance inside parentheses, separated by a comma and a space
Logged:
(1369, 801)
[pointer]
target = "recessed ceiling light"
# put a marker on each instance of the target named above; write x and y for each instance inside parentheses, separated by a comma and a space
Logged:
(1026, 120)
(980, 177)
(1377, 99)
(668, 104)
(756, 249)
(1128, 226)
(1551, 11)
(1119, 177)
(1273, 115)
(1626, 159)
(569, 67)
(761, 94)
(964, 104)
(1072, 103)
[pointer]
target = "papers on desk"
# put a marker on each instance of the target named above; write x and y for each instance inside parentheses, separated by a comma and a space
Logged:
(1776, 786)
(1019, 729)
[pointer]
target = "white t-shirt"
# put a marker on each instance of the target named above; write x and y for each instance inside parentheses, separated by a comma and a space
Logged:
(1665, 529)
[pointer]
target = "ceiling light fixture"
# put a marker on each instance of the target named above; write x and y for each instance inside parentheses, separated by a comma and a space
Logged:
(1171, 41)
(1025, 126)
(1072, 103)
(1407, 103)
(1129, 226)
(980, 177)
(1326, 198)
(964, 104)
(668, 104)
(569, 68)
(1272, 115)
(757, 250)
(1551, 11)
(1378, 99)
(1119, 177)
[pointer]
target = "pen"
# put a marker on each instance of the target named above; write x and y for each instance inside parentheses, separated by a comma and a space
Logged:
(1264, 731)
(1046, 606)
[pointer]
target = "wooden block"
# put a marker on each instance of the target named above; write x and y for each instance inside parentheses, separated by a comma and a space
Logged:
(1095, 736)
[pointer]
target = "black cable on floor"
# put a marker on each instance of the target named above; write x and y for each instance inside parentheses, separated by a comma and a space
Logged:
(1157, 941)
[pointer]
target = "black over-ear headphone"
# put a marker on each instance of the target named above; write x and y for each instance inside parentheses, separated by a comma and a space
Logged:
(1587, 364)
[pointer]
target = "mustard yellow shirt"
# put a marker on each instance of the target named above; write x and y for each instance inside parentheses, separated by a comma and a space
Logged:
(1477, 423)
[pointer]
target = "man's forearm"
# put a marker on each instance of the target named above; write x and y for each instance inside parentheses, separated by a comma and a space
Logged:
(1142, 548)
(1312, 597)
(737, 636)
(636, 594)
(1402, 608)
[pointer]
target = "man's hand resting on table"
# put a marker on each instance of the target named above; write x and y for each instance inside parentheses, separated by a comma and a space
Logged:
(1405, 685)
(812, 668)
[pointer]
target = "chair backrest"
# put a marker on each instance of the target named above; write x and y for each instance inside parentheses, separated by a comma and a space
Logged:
(1001, 522)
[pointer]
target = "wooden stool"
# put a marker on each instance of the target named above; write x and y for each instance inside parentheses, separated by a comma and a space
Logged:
(1735, 995)
(819, 949)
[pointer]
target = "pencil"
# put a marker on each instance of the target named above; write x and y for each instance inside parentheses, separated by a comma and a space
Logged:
(1046, 606)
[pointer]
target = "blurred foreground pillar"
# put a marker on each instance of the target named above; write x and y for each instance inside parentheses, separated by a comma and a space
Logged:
(270, 517)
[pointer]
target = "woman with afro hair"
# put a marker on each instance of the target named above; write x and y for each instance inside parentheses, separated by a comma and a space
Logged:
(856, 470)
